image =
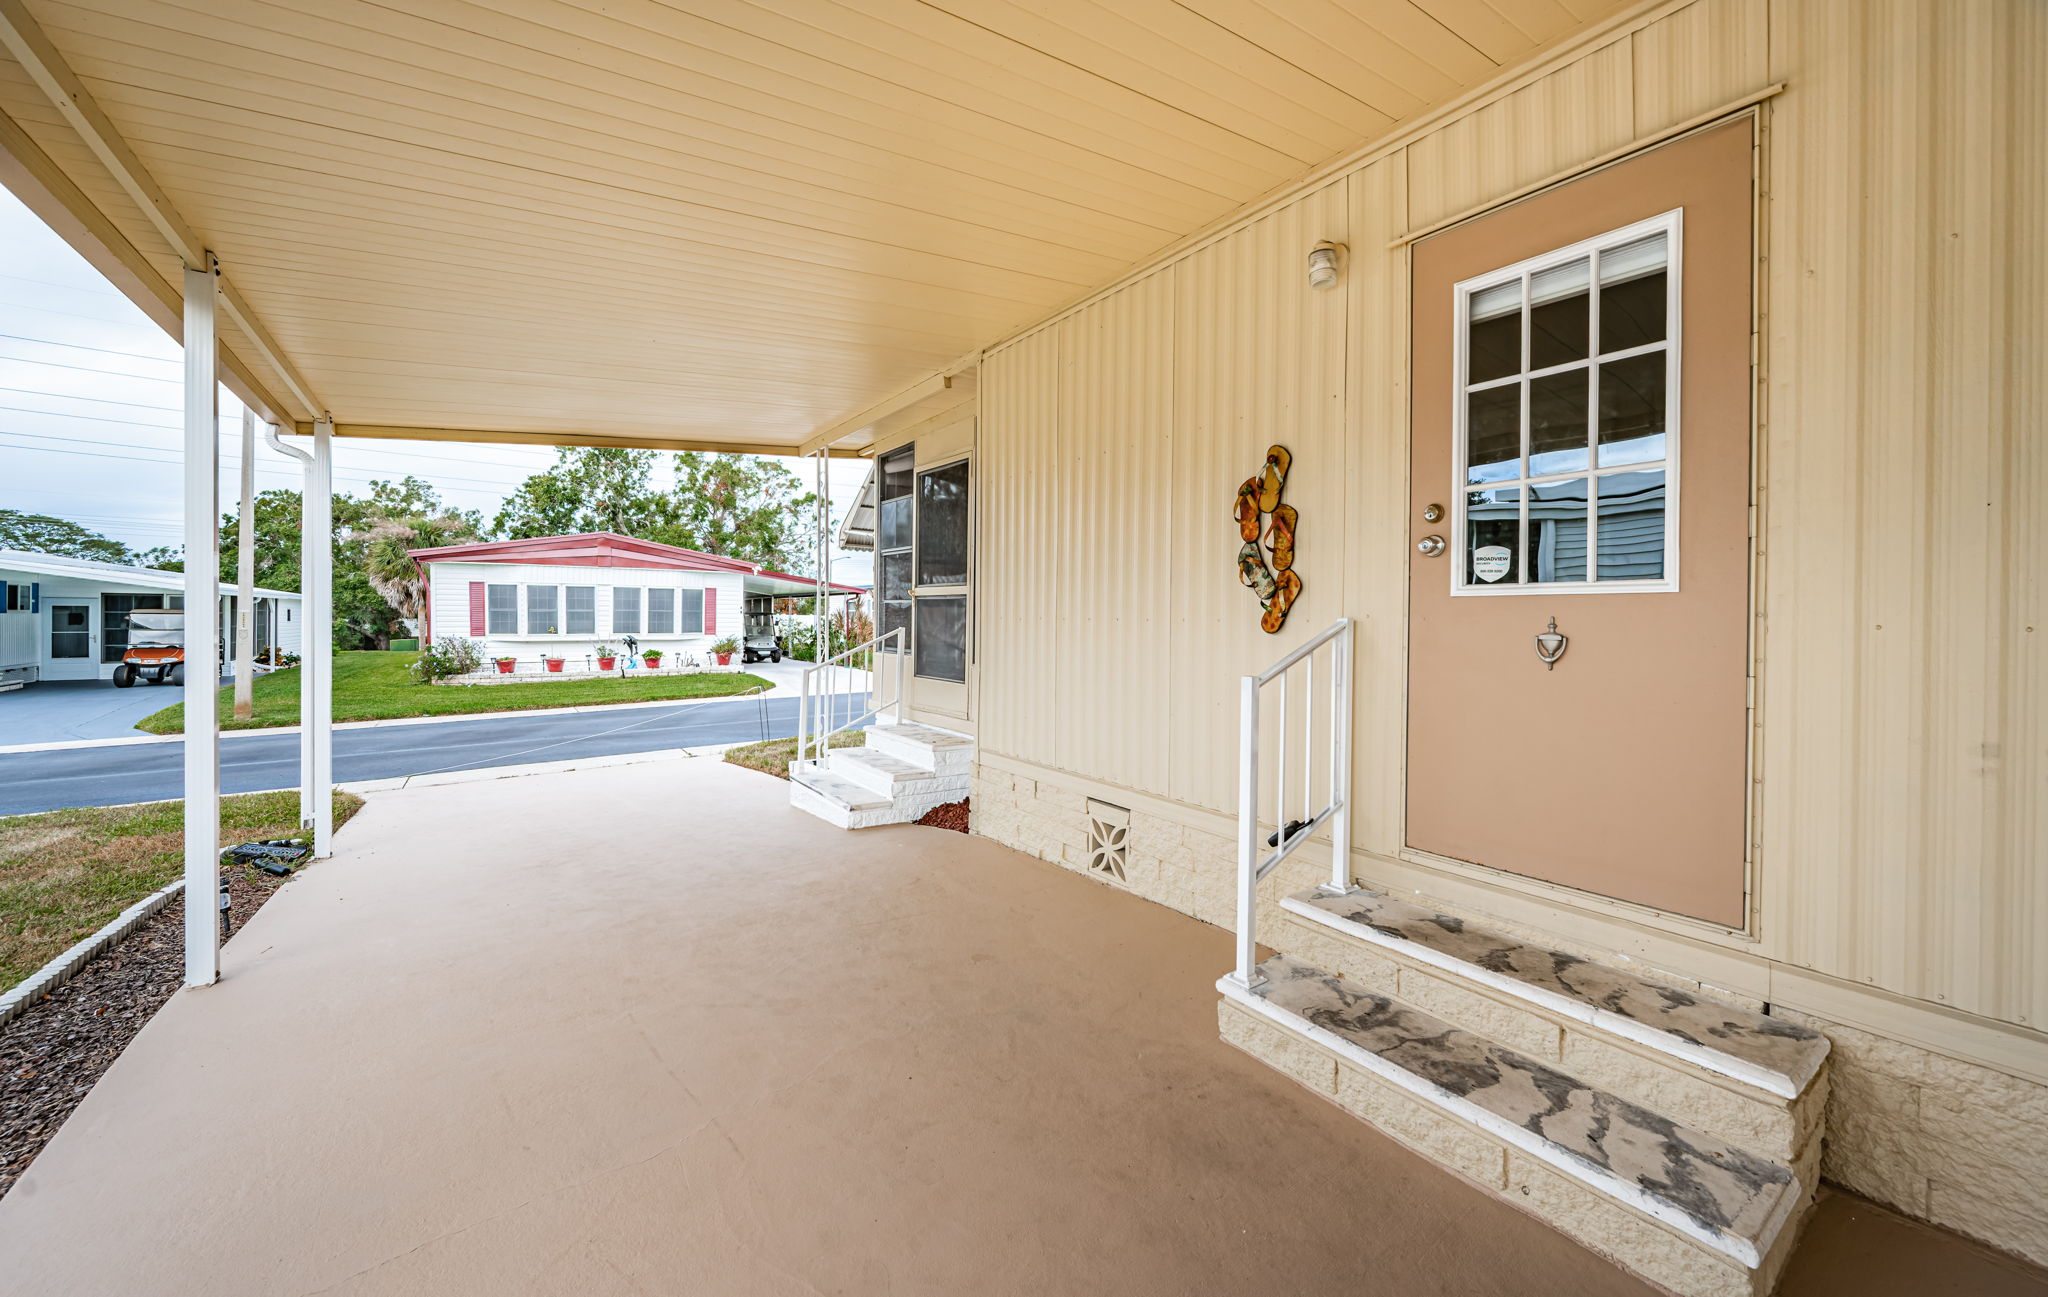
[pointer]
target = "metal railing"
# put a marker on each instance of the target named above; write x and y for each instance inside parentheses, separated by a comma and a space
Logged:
(815, 724)
(1336, 808)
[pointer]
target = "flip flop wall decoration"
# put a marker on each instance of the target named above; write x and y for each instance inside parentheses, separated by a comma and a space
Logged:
(1269, 570)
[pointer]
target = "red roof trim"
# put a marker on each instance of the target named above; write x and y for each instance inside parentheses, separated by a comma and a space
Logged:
(606, 549)
(597, 549)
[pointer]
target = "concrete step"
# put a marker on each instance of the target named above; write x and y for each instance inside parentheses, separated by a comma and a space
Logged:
(826, 792)
(939, 751)
(891, 776)
(1684, 1208)
(1719, 1066)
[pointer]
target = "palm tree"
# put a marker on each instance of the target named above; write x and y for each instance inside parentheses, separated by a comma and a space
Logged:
(390, 566)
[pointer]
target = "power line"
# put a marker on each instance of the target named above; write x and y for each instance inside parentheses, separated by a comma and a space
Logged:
(227, 460)
(79, 346)
(87, 369)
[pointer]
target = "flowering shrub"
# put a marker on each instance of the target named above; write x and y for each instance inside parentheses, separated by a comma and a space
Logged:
(451, 655)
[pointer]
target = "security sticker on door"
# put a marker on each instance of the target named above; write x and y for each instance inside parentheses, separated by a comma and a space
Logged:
(1491, 562)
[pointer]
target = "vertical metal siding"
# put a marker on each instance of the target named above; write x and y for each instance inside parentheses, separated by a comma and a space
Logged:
(1903, 758)
(1904, 465)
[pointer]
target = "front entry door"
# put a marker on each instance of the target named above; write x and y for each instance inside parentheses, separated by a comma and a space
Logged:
(71, 655)
(1580, 456)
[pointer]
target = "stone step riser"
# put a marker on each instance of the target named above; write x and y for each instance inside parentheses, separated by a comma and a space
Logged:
(1626, 1233)
(886, 784)
(1784, 1130)
(952, 760)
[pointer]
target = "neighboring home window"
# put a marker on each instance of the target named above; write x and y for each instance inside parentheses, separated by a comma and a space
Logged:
(1567, 417)
(894, 526)
(661, 612)
(114, 628)
(501, 605)
(625, 610)
(691, 608)
(541, 618)
(579, 609)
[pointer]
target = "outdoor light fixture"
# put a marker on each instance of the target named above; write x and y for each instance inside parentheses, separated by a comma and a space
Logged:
(1322, 265)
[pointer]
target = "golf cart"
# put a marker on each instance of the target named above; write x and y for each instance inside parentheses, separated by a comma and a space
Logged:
(156, 649)
(760, 642)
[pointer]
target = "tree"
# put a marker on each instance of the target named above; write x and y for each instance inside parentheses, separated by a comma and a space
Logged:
(739, 506)
(590, 488)
(388, 562)
(42, 534)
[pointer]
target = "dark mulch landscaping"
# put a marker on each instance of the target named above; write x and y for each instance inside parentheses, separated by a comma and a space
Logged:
(61, 1044)
(952, 815)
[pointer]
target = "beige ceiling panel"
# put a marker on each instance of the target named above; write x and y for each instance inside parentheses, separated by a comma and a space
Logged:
(716, 222)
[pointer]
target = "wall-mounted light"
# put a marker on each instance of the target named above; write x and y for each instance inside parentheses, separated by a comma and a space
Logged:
(1322, 264)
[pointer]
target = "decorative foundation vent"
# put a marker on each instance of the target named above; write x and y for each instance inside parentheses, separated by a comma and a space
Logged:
(1109, 831)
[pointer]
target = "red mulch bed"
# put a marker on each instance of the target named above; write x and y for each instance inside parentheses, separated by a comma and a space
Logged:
(52, 1054)
(952, 815)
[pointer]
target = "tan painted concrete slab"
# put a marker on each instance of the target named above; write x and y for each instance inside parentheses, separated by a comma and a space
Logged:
(648, 1030)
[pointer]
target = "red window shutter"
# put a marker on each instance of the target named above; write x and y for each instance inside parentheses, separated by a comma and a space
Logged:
(710, 611)
(476, 609)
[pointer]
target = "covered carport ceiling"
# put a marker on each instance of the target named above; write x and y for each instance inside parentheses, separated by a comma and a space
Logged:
(762, 226)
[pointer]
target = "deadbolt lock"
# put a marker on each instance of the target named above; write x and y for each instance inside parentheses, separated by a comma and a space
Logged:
(1433, 513)
(1431, 546)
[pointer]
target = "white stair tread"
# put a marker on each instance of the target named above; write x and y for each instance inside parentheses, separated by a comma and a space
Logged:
(881, 762)
(843, 791)
(929, 735)
(1730, 1200)
(1769, 1053)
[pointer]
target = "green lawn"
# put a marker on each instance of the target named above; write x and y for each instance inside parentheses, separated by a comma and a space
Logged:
(64, 874)
(774, 756)
(375, 687)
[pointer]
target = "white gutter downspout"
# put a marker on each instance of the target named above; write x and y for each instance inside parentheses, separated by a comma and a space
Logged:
(310, 798)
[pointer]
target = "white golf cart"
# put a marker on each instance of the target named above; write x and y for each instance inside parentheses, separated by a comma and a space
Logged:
(760, 642)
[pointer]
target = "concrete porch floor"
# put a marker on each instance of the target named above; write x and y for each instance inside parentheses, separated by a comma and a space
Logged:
(649, 1030)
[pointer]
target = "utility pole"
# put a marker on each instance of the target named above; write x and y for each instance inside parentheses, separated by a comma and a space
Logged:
(245, 577)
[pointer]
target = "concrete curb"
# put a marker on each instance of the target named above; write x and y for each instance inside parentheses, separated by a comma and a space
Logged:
(65, 966)
(488, 773)
(229, 736)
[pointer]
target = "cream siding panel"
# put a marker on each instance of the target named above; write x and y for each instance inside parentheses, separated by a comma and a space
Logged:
(1573, 115)
(1705, 55)
(1376, 519)
(1114, 625)
(1020, 546)
(1258, 360)
(1904, 759)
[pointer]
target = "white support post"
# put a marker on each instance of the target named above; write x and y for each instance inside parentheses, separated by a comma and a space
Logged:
(1340, 762)
(1247, 829)
(316, 654)
(821, 509)
(202, 631)
(245, 575)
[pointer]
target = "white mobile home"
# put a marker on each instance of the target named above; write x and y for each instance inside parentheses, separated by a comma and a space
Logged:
(563, 596)
(67, 618)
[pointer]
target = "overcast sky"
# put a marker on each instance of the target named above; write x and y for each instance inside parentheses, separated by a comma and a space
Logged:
(89, 414)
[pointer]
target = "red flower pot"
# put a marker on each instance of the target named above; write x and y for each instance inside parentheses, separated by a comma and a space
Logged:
(725, 659)
(653, 663)
(555, 664)
(505, 666)
(606, 664)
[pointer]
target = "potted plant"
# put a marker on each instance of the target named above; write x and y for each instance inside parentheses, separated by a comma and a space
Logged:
(607, 657)
(505, 665)
(724, 649)
(553, 663)
(653, 659)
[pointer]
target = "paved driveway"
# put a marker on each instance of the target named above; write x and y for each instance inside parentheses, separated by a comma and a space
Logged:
(60, 711)
(256, 762)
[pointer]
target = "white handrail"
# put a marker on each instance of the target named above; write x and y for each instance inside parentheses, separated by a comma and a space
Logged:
(814, 715)
(1289, 834)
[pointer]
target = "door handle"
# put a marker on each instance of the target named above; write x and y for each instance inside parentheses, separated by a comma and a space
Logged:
(1431, 546)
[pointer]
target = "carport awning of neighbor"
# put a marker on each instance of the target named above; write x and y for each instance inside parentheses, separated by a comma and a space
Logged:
(727, 228)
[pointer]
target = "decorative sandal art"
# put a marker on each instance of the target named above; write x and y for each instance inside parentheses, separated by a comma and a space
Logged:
(1269, 570)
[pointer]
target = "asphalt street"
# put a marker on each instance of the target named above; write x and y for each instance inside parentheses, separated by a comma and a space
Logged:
(108, 776)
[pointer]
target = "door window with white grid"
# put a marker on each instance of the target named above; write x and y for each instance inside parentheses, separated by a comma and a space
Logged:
(1567, 418)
